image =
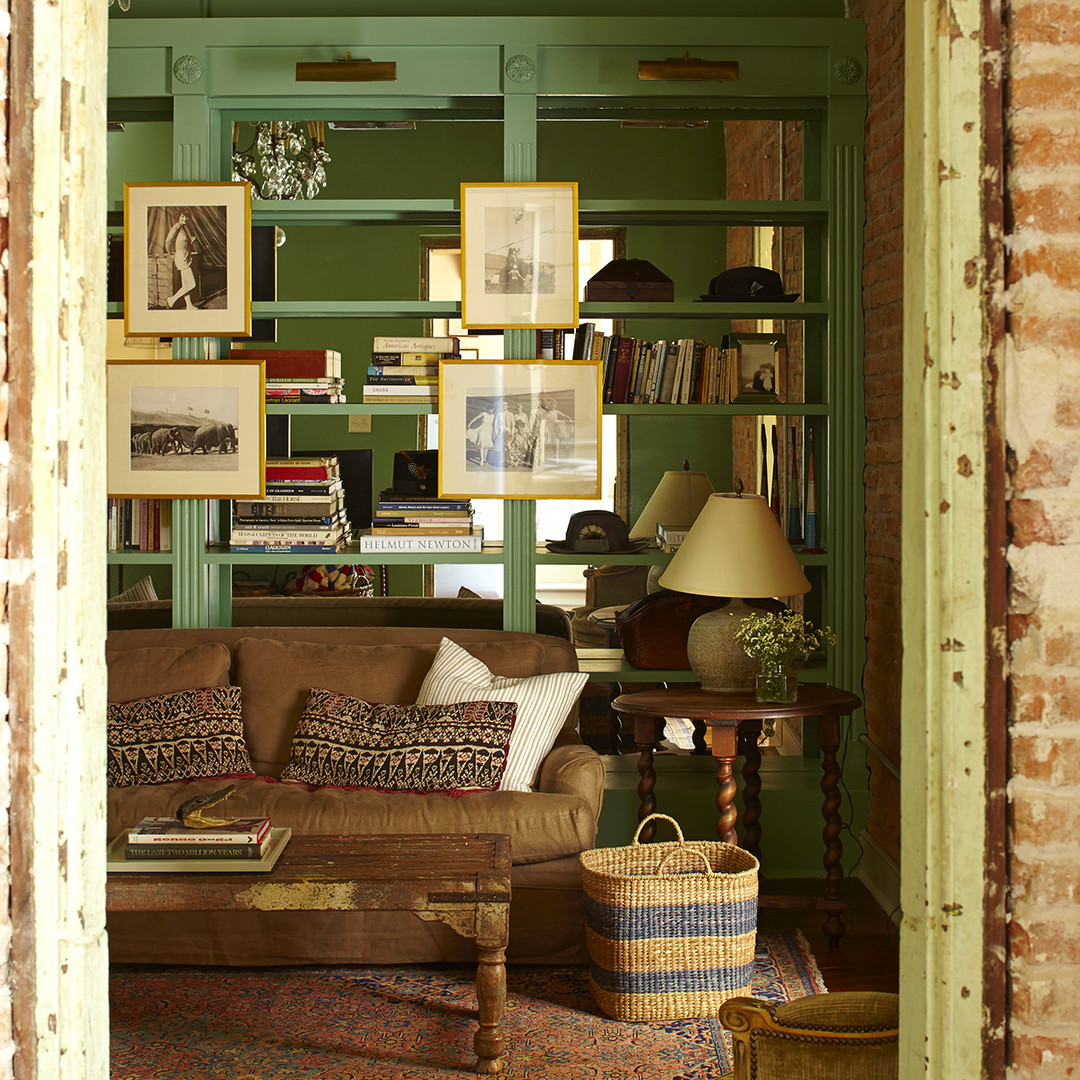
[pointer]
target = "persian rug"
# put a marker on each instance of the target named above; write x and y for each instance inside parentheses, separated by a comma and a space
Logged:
(413, 1022)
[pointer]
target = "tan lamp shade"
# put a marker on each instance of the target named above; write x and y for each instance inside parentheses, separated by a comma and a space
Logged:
(735, 548)
(677, 500)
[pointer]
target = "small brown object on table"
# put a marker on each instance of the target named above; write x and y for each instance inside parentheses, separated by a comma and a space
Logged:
(734, 722)
(462, 881)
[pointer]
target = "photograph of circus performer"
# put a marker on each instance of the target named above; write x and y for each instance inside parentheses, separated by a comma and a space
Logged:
(186, 257)
(519, 432)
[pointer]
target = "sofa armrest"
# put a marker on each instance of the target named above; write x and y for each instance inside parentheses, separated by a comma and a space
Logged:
(574, 769)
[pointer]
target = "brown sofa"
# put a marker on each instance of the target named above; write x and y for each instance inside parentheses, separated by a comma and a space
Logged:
(275, 667)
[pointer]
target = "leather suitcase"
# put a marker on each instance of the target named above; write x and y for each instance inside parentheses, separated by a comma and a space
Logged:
(653, 631)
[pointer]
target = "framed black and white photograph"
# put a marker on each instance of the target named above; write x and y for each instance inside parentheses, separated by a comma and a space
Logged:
(519, 429)
(519, 255)
(757, 365)
(187, 259)
(186, 429)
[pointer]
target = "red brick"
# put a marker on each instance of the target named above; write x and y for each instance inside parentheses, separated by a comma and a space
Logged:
(1042, 759)
(1040, 940)
(1030, 524)
(1050, 1057)
(1051, 883)
(1034, 146)
(1045, 698)
(1046, 23)
(1056, 331)
(1059, 261)
(1044, 89)
(1046, 820)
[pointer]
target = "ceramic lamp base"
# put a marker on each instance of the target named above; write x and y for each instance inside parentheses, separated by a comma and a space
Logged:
(716, 658)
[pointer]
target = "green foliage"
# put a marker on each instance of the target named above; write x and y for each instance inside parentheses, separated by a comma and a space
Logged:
(781, 637)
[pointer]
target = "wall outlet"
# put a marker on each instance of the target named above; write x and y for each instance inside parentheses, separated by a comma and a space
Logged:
(359, 422)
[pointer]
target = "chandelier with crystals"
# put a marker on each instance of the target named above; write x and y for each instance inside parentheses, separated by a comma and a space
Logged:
(286, 159)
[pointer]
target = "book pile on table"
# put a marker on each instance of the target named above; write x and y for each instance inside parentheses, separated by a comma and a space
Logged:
(299, 376)
(403, 522)
(406, 369)
(304, 509)
(157, 838)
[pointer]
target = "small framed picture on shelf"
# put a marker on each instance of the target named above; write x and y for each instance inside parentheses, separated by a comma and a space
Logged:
(185, 429)
(519, 255)
(757, 365)
(519, 429)
(187, 259)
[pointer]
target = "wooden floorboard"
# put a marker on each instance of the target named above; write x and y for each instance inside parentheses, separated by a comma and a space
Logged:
(868, 957)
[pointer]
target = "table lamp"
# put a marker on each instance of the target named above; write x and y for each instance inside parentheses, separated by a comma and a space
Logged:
(735, 549)
(677, 500)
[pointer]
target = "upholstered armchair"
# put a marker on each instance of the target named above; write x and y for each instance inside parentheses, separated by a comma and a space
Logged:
(821, 1037)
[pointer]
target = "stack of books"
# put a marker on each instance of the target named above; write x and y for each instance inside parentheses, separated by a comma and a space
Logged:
(406, 369)
(304, 510)
(165, 838)
(300, 376)
(421, 523)
(140, 524)
(670, 537)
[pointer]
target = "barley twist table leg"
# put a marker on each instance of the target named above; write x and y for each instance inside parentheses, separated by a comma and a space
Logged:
(749, 730)
(829, 737)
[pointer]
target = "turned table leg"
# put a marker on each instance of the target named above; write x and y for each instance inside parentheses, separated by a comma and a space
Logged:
(724, 747)
(648, 731)
(829, 738)
(491, 1004)
(749, 730)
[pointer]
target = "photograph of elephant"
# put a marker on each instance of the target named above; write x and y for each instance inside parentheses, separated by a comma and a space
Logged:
(185, 428)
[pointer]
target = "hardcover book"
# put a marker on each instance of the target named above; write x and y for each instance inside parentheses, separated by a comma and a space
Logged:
(157, 830)
(445, 545)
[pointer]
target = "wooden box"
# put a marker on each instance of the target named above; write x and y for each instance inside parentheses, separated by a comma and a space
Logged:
(630, 279)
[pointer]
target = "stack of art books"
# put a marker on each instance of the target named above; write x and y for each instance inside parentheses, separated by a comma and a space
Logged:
(406, 369)
(304, 510)
(165, 838)
(412, 523)
(300, 376)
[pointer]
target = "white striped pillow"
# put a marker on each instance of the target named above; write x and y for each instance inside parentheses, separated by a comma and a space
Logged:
(542, 704)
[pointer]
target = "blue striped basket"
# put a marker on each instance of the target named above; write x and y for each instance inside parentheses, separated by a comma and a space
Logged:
(670, 927)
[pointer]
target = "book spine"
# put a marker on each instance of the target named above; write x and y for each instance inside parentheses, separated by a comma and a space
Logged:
(408, 359)
(305, 399)
(289, 506)
(287, 367)
(400, 371)
(422, 519)
(420, 544)
(242, 354)
(246, 523)
(422, 507)
(421, 530)
(402, 380)
(311, 472)
(401, 399)
(285, 548)
(414, 389)
(192, 851)
(415, 344)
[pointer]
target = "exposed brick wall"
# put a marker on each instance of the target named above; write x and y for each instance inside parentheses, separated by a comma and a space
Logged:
(883, 314)
(1042, 412)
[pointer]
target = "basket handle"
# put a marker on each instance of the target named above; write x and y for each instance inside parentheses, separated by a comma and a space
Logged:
(662, 817)
(687, 850)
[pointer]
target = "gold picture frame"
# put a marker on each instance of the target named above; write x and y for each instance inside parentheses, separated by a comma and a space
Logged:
(189, 429)
(519, 429)
(519, 255)
(187, 259)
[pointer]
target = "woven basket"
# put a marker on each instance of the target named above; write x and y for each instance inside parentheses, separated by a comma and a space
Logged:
(670, 927)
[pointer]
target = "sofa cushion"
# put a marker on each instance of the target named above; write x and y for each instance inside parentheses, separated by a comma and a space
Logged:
(277, 675)
(345, 742)
(540, 826)
(189, 735)
(148, 672)
(543, 702)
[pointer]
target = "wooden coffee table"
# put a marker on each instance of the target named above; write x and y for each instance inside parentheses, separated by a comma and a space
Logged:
(462, 881)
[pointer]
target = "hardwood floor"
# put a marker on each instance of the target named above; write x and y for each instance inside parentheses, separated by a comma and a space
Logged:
(868, 957)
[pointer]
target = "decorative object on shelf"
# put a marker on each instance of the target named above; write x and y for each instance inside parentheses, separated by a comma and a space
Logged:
(187, 259)
(811, 547)
(416, 472)
(190, 813)
(629, 279)
(286, 159)
(740, 283)
(602, 531)
(735, 549)
(190, 429)
(778, 640)
(757, 365)
(794, 489)
(519, 255)
(519, 429)
(653, 631)
(687, 68)
(346, 69)
(677, 501)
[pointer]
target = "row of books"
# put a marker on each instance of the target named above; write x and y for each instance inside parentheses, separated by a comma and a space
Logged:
(406, 369)
(418, 523)
(157, 838)
(299, 376)
(140, 525)
(304, 510)
(641, 372)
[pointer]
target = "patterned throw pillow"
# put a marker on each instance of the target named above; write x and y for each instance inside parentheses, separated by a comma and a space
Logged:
(189, 735)
(543, 702)
(342, 741)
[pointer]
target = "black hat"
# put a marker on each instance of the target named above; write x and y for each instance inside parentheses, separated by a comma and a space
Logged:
(748, 283)
(599, 531)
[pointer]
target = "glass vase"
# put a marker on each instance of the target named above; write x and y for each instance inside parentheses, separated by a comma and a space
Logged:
(777, 682)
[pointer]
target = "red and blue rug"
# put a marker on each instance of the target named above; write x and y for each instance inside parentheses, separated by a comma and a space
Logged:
(413, 1022)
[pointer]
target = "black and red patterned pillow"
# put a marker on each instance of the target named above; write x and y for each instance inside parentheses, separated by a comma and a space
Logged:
(341, 741)
(187, 735)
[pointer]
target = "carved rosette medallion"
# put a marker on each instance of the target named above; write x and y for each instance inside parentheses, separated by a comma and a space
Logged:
(519, 68)
(847, 70)
(187, 69)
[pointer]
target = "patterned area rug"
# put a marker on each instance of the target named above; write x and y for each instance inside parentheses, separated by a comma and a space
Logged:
(413, 1022)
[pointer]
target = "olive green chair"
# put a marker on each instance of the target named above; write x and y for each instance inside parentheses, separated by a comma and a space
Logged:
(843, 1036)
